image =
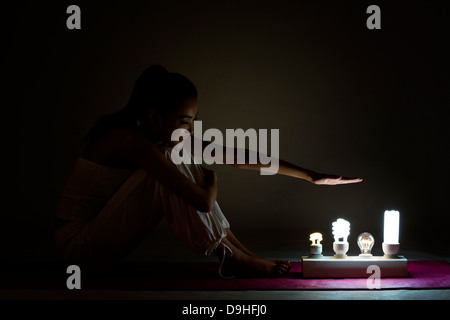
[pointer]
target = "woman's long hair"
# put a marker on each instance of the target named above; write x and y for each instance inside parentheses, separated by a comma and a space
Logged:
(155, 87)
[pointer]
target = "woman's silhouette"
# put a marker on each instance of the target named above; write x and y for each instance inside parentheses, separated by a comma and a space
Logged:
(124, 183)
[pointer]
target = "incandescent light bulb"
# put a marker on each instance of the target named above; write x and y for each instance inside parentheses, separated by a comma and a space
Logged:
(365, 243)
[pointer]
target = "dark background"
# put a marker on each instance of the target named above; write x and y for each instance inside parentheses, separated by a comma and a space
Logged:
(347, 100)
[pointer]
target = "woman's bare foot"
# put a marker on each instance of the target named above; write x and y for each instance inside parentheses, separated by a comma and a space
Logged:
(240, 264)
(232, 238)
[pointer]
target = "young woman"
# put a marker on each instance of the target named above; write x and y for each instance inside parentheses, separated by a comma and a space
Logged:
(125, 182)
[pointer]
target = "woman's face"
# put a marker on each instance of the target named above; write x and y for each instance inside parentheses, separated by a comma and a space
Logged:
(181, 118)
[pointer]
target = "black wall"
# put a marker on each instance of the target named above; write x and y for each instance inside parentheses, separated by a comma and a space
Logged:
(347, 100)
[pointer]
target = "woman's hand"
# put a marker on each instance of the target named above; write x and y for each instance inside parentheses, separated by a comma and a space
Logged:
(329, 179)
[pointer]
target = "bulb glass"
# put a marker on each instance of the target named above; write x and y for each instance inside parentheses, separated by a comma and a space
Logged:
(391, 226)
(365, 243)
(341, 230)
(315, 238)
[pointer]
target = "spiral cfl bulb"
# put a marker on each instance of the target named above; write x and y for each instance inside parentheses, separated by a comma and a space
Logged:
(365, 243)
(315, 238)
(316, 246)
(341, 230)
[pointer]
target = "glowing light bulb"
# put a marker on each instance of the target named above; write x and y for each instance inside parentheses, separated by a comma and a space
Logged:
(341, 230)
(316, 246)
(365, 243)
(315, 238)
(391, 226)
(390, 243)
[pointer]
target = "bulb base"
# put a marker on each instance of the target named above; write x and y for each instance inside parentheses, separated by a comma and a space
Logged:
(340, 248)
(391, 249)
(315, 250)
(365, 255)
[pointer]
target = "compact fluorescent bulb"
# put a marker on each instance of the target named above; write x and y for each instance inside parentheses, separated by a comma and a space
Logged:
(341, 230)
(391, 226)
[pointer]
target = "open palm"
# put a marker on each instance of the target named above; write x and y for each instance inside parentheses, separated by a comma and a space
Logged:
(329, 179)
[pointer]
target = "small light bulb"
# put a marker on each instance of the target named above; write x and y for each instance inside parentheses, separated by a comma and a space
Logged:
(365, 243)
(315, 238)
(316, 246)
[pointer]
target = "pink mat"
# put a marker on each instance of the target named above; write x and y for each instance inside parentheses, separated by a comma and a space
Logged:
(204, 276)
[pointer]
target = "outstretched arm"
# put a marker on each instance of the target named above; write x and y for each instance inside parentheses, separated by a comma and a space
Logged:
(292, 170)
(284, 167)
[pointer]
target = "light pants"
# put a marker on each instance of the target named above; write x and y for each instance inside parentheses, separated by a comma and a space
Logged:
(133, 211)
